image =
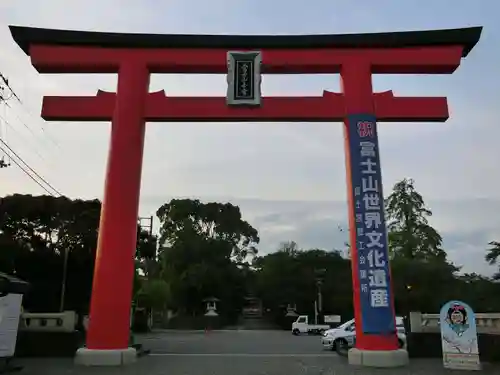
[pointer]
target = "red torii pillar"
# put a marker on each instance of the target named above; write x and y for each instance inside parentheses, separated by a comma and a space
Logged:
(134, 57)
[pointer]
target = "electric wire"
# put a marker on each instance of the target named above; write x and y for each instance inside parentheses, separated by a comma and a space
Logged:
(28, 174)
(9, 125)
(31, 169)
(26, 168)
(47, 134)
(5, 84)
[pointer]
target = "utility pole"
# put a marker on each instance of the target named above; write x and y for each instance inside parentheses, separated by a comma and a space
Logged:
(148, 263)
(4, 160)
(146, 223)
(319, 300)
(64, 277)
(149, 223)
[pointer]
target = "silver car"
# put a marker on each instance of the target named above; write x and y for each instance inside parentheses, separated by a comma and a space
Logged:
(344, 336)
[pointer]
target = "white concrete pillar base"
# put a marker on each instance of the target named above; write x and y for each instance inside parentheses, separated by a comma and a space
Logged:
(378, 358)
(96, 357)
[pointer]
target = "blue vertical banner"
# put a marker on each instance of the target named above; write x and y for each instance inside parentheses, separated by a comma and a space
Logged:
(371, 233)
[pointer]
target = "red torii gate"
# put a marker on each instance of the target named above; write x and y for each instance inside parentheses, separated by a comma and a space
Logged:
(135, 56)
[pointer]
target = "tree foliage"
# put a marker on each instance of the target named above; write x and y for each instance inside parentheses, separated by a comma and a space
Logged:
(410, 234)
(36, 232)
(208, 250)
(202, 245)
(154, 294)
(183, 220)
(290, 275)
(492, 256)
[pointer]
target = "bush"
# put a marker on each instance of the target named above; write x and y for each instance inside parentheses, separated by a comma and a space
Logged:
(285, 322)
(140, 321)
(48, 344)
(428, 345)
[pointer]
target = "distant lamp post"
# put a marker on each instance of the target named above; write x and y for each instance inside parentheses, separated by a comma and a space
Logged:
(408, 295)
(319, 304)
(63, 281)
(406, 320)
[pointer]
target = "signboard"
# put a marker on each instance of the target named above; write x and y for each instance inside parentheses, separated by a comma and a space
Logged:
(10, 312)
(332, 318)
(459, 336)
(243, 78)
(371, 235)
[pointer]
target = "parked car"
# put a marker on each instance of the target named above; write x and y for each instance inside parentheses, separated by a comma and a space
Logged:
(301, 325)
(344, 336)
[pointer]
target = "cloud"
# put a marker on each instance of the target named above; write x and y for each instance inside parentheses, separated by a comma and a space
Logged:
(290, 177)
(323, 224)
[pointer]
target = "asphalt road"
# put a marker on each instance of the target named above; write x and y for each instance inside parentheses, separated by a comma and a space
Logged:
(235, 353)
(237, 342)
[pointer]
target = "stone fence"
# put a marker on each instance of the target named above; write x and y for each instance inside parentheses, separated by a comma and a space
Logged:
(485, 322)
(48, 322)
(419, 322)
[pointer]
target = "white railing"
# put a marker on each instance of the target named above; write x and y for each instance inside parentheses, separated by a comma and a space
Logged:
(485, 322)
(48, 322)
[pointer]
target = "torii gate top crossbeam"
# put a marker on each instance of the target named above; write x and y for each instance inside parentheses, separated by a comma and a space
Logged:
(466, 37)
(414, 52)
(97, 52)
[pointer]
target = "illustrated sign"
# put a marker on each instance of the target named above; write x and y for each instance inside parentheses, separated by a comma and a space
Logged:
(371, 235)
(459, 336)
(243, 78)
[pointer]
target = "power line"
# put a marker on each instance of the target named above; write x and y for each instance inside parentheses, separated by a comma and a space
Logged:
(9, 125)
(26, 110)
(28, 174)
(6, 83)
(31, 169)
(13, 94)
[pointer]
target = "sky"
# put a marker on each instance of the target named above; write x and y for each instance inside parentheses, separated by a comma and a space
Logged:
(288, 179)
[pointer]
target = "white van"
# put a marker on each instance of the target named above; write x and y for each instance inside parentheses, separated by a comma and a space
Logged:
(301, 325)
(345, 335)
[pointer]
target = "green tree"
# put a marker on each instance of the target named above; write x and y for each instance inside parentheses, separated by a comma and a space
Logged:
(410, 234)
(202, 246)
(478, 291)
(146, 256)
(40, 232)
(290, 276)
(40, 236)
(289, 247)
(183, 219)
(492, 256)
(154, 294)
(421, 285)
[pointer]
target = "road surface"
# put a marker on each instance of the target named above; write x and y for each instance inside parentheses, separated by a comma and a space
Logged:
(235, 353)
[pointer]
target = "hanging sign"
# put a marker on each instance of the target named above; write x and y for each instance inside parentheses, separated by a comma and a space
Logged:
(243, 78)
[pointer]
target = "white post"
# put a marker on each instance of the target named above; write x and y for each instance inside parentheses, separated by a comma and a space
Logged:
(415, 321)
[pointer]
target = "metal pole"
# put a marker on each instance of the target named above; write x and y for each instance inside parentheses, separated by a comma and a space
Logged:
(316, 312)
(320, 298)
(63, 282)
(320, 301)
